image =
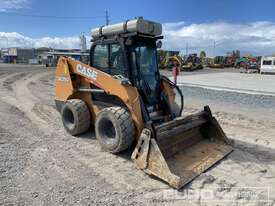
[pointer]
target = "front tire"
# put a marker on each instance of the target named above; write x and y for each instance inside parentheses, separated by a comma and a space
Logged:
(114, 129)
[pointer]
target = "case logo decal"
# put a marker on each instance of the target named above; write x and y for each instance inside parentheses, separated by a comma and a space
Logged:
(86, 71)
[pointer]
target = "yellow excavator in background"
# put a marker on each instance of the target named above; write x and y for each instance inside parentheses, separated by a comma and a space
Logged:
(218, 62)
(191, 62)
(188, 63)
(124, 97)
(169, 60)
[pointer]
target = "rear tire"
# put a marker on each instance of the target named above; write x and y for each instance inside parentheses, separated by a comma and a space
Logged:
(75, 116)
(114, 129)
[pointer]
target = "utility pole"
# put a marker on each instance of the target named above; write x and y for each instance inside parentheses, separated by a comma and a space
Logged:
(214, 48)
(7, 39)
(186, 48)
(107, 17)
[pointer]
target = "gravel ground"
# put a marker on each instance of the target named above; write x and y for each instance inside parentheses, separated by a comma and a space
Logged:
(241, 99)
(229, 80)
(40, 164)
(261, 107)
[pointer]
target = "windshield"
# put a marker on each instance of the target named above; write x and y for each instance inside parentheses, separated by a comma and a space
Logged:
(267, 62)
(146, 74)
(146, 58)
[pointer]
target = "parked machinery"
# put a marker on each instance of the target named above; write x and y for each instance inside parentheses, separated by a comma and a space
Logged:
(249, 63)
(218, 62)
(191, 62)
(169, 59)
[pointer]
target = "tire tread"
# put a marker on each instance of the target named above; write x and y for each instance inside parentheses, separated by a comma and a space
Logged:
(83, 115)
(124, 119)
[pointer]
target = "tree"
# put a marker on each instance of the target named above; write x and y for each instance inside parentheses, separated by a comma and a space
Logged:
(202, 55)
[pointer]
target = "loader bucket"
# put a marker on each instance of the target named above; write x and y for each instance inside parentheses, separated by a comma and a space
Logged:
(181, 149)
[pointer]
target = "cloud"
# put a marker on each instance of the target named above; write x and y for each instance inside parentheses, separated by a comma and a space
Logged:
(58, 42)
(14, 39)
(13, 4)
(257, 38)
(174, 25)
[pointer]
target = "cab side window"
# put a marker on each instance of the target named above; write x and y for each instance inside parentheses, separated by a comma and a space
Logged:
(100, 59)
(116, 60)
(109, 58)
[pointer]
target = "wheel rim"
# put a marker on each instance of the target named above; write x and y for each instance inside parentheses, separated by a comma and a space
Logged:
(68, 117)
(107, 130)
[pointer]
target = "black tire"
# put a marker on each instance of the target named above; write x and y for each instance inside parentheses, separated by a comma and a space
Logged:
(75, 116)
(114, 129)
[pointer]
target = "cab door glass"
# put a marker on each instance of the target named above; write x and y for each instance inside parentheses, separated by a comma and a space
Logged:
(100, 58)
(147, 62)
(116, 60)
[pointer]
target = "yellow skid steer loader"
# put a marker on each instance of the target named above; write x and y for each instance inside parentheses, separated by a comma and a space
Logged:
(122, 94)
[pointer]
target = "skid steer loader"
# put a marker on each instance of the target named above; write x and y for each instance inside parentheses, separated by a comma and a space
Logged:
(122, 94)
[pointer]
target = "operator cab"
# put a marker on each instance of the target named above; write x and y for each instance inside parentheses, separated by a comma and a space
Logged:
(129, 50)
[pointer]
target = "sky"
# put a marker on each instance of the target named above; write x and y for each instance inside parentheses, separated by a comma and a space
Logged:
(248, 26)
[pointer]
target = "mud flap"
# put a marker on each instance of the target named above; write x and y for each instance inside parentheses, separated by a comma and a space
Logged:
(182, 149)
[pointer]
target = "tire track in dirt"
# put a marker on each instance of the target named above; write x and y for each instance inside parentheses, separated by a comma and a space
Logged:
(5, 77)
(9, 81)
(25, 101)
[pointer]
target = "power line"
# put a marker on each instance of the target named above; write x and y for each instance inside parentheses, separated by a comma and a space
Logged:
(206, 46)
(55, 17)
